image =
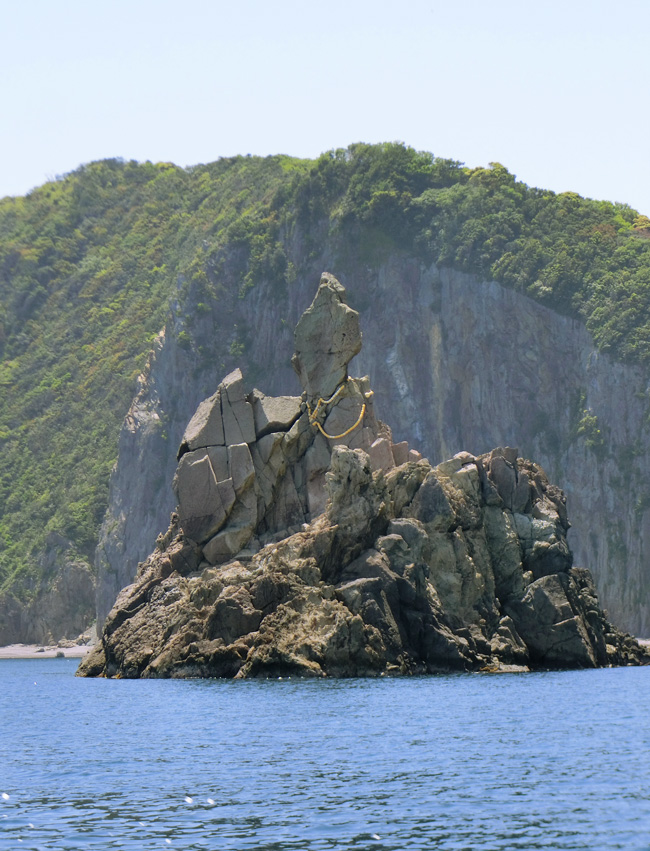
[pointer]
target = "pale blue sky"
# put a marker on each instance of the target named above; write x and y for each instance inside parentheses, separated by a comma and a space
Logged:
(556, 91)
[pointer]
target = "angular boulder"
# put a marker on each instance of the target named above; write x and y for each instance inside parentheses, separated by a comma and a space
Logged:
(407, 571)
(274, 413)
(327, 337)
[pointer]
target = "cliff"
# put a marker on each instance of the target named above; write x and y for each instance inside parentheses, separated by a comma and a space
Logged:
(459, 362)
(307, 542)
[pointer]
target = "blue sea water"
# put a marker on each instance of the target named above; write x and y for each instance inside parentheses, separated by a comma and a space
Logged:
(517, 761)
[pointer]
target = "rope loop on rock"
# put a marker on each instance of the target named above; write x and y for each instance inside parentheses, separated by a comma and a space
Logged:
(343, 434)
(321, 402)
(312, 416)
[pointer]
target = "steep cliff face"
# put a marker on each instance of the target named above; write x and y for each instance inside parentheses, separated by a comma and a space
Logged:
(472, 364)
(140, 499)
(457, 363)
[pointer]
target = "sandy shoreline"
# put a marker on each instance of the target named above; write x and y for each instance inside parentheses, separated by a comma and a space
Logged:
(39, 651)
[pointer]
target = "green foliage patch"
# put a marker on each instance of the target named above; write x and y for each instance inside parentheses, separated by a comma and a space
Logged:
(585, 258)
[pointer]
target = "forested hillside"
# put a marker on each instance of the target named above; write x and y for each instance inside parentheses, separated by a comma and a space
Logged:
(93, 265)
(88, 267)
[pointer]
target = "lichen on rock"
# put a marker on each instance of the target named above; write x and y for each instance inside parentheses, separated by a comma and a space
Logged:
(307, 543)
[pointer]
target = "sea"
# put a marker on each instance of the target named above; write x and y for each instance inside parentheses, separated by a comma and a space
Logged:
(496, 762)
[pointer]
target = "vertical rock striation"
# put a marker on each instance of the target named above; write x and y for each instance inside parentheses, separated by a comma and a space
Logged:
(251, 466)
(62, 605)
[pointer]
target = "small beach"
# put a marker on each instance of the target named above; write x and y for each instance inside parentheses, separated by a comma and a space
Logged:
(39, 651)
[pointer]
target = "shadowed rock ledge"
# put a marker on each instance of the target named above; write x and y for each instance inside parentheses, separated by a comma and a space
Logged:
(306, 543)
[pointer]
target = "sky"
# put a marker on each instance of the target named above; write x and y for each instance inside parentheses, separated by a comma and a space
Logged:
(555, 91)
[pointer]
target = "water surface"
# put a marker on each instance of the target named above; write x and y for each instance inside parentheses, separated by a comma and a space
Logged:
(520, 761)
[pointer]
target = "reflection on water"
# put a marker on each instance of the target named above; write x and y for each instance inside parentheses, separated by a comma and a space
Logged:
(480, 762)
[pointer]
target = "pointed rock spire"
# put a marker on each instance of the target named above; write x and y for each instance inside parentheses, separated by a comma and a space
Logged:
(327, 337)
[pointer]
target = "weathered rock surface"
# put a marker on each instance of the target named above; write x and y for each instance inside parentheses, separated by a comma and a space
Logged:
(327, 337)
(140, 498)
(456, 361)
(252, 466)
(321, 548)
(414, 570)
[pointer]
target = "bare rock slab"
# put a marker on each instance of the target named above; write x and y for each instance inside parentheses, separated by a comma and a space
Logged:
(274, 413)
(203, 502)
(327, 337)
(206, 426)
(242, 470)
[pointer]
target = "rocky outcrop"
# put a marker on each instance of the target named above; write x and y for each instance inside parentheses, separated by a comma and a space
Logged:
(250, 465)
(327, 337)
(457, 362)
(411, 570)
(307, 542)
(469, 363)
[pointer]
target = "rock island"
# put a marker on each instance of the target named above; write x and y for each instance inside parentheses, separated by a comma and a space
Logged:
(307, 543)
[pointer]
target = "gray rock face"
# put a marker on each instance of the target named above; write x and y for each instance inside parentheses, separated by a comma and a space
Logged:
(325, 549)
(206, 426)
(327, 337)
(62, 607)
(456, 361)
(140, 497)
(274, 413)
(204, 502)
(463, 362)
(236, 411)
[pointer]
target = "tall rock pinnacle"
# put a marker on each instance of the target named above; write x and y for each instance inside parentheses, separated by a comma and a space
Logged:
(327, 337)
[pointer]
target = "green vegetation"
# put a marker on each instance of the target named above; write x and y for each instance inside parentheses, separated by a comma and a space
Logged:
(88, 265)
(589, 429)
(92, 264)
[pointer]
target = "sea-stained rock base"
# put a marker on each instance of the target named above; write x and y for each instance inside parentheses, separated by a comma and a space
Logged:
(461, 567)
